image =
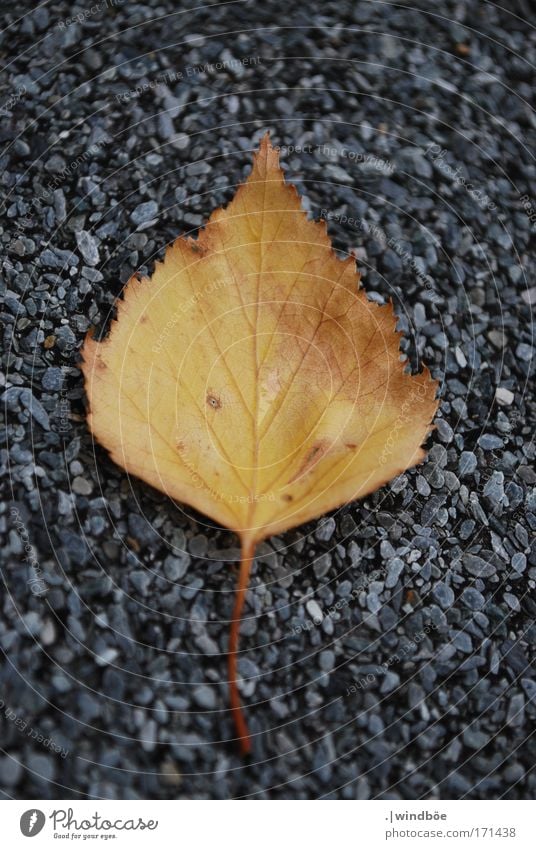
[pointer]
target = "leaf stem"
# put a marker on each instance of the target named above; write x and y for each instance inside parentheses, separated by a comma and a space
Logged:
(247, 555)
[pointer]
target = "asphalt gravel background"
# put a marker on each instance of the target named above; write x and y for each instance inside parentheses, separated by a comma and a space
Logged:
(388, 650)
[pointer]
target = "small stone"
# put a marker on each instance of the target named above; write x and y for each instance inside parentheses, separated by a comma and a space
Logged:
(48, 633)
(512, 602)
(446, 434)
(460, 357)
(494, 488)
(81, 486)
(390, 682)
(490, 442)
(11, 771)
(462, 641)
(467, 464)
(43, 767)
(325, 530)
(327, 660)
(322, 565)
(434, 475)
(190, 590)
(52, 379)
(106, 657)
(519, 562)
(204, 697)
(148, 735)
(420, 315)
(476, 509)
(198, 545)
(423, 487)
(503, 396)
(373, 603)
(478, 567)
(363, 789)
(466, 528)
(516, 710)
(497, 338)
(29, 402)
(180, 141)
(524, 352)
(140, 580)
(144, 212)
(176, 566)
(473, 599)
(88, 247)
(169, 773)
(394, 570)
(529, 296)
(21, 148)
(314, 610)
(529, 687)
(65, 338)
(166, 128)
(474, 738)
(443, 594)
(399, 483)
(233, 104)
(140, 529)
(207, 645)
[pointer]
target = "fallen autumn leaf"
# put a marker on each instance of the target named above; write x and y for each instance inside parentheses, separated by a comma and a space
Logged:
(251, 378)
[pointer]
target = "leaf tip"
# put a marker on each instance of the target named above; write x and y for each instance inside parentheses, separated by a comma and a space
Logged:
(266, 161)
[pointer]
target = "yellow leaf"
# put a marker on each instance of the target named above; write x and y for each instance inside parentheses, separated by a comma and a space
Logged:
(251, 378)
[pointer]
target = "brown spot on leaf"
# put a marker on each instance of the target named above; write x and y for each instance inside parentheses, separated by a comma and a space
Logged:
(213, 401)
(315, 453)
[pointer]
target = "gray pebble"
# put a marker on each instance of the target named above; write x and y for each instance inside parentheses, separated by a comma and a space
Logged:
(11, 770)
(443, 594)
(494, 488)
(524, 352)
(81, 486)
(204, 697)
(478, 567)
(473, 599)
(87, 246)
(327, 660)
(140, 580)
(322, 565)
(314, 610)
(52, 378)
(144, 212)
(519, 562)
(176, 566)
(394, 570)
(462, 641)
(490, 442)
(467, 464)
(503, 396)
(512, 602)
(325, 530)
(390, 682)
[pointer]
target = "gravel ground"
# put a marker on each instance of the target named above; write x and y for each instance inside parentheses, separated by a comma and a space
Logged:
(388, 650)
